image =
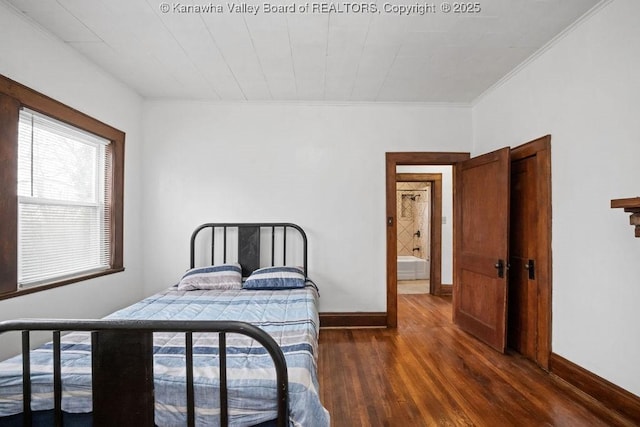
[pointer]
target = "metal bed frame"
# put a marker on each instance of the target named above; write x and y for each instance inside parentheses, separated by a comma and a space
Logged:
(122, 366)
(122, 350)
(249, 243)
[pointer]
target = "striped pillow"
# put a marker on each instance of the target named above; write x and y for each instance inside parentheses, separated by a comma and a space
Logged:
(275, 278)
(225, 276)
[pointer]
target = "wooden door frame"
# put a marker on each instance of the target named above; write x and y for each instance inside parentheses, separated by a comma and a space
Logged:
(540, 148)
(435, 226)
(393, 160)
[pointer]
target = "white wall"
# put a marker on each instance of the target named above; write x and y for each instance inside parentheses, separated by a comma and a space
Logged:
(320, 166)
(35, 59)
(584, 91)
(447, 214)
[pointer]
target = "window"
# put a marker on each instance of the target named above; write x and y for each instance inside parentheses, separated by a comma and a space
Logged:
(63, 225)
(61, 201)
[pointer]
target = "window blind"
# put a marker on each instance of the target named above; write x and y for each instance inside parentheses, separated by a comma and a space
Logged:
(63, 210)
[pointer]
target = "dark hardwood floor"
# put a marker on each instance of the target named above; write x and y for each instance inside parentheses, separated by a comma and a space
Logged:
(430, 373)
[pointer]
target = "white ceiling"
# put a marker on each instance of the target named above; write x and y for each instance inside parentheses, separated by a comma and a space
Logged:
(229, 56)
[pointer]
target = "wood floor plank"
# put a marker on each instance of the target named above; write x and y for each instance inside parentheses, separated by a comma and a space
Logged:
(427, 372)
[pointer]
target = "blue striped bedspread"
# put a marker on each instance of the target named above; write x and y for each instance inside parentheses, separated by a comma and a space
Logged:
(289, 316)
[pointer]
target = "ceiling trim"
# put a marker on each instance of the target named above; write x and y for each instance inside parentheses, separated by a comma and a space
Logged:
(319, 103)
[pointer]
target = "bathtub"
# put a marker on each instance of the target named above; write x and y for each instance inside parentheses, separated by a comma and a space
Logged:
(412, 268)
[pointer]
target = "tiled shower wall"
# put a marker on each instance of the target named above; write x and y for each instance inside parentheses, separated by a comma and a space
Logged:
(413, 215)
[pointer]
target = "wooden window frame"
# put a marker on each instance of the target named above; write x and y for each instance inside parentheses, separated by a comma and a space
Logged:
(14, 96)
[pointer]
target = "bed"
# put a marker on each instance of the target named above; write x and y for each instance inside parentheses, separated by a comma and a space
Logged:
(204, 352)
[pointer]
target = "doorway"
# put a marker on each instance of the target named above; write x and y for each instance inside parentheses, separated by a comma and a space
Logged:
(536, 155)
(440, 230)
(415, 219)
(393, 160)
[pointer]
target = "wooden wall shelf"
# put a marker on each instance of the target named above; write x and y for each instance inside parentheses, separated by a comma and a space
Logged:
(630, 205)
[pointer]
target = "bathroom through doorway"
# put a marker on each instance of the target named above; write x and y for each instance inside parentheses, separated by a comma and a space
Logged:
(414, 236)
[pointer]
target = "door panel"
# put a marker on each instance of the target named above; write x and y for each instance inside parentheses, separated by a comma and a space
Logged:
(482, 243)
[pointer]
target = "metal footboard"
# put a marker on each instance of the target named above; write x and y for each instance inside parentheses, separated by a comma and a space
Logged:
(122, 366)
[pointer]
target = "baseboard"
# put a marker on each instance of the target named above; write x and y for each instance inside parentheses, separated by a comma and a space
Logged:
(446, 290)
(366, 319)
(609, 394)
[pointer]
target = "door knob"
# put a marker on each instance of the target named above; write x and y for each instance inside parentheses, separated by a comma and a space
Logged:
(500, 267)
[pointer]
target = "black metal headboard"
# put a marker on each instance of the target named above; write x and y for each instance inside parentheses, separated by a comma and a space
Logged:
(247, 238)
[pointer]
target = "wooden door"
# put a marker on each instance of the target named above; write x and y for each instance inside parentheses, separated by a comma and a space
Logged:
(529, 321)
(523, 287)
(482, 246)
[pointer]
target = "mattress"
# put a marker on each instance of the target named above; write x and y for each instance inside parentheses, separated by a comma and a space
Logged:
(289, 316)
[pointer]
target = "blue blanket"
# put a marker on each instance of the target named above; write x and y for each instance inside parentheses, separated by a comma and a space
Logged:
(289, 316)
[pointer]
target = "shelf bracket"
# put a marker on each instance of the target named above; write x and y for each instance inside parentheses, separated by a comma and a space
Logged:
(630, 205)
